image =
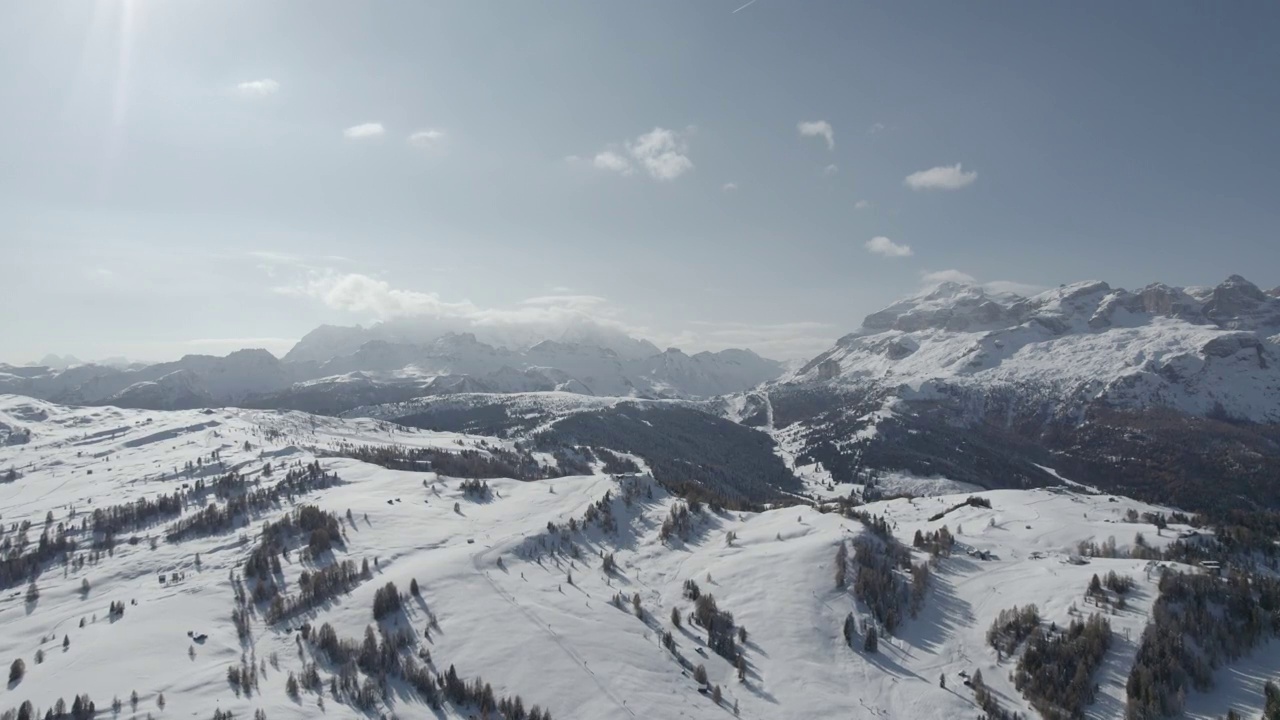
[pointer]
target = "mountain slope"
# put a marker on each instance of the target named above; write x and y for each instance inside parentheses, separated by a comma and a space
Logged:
(1169, 393)
(503, 598)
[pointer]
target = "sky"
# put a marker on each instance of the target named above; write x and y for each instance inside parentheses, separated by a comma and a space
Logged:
(200, 176)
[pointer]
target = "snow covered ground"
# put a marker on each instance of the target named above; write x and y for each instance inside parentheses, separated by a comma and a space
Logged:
(507, 611)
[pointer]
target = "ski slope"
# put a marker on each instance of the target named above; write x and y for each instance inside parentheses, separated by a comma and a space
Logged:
(529, 621)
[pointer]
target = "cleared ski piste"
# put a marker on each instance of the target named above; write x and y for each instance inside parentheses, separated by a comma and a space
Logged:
(519, 623)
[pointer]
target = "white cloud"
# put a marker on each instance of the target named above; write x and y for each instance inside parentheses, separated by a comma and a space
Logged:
(243, 342)
(365, 130)
(258, 88)
(781, 341)
(876, 128)
(581, 302)
(612, 161)
(730, 187)
(929, 279)
(543, 317)
(818, 128)
(943, 177)
(662, 153)
(862, 205)
(830, 170)
(881, 245)
(952, 275)
(357, 293)
(426, 138)
(1015, 287)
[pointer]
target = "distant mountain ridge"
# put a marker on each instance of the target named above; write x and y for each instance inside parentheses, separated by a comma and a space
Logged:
(380, 370)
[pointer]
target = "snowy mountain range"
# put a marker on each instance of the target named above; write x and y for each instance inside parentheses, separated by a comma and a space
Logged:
(1165, 392)
(328, 372)
(1203, 351)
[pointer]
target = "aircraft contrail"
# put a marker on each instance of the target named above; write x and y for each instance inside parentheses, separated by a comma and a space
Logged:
(744, 7)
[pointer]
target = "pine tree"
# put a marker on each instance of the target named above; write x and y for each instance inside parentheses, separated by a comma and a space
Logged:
(160, 701)
(675, 616)
(291, 686)
(66, 641)
(413, 588)
(17, 670)
(716, 696)
(700, 675)
(872, 642)
(850, 629)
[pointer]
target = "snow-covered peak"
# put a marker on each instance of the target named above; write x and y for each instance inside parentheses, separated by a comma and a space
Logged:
(1201, 350)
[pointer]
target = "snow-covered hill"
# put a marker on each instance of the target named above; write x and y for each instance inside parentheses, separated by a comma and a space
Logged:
(1203, 351)
(503, 598)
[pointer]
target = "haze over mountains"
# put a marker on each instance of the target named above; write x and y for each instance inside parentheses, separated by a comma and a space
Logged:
(333, 368)
(1202, 350)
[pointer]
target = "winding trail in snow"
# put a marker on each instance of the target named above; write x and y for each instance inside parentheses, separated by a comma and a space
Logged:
(546, 629)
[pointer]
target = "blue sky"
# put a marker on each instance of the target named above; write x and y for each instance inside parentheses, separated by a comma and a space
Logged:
(204, 175)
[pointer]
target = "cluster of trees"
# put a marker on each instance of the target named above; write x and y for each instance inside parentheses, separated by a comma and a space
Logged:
(1198, 622)
(693, 454)
(1011, 627)
(572, 461)
(937, 543)
(314, 588)
(1121, 585)
(680, 521)
(242, 497)
(475, 489)
(600, 513)
(494, 462)
(82, 708)
(1055, 672)
(870, 635)
(321, 528)
(386, 600)
(480, 694)
(18, 567)
(615, 464)
(719, 626)
(988, 701)
(971, 501)
(1172, 458)
(382, 659)
(876, 582)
